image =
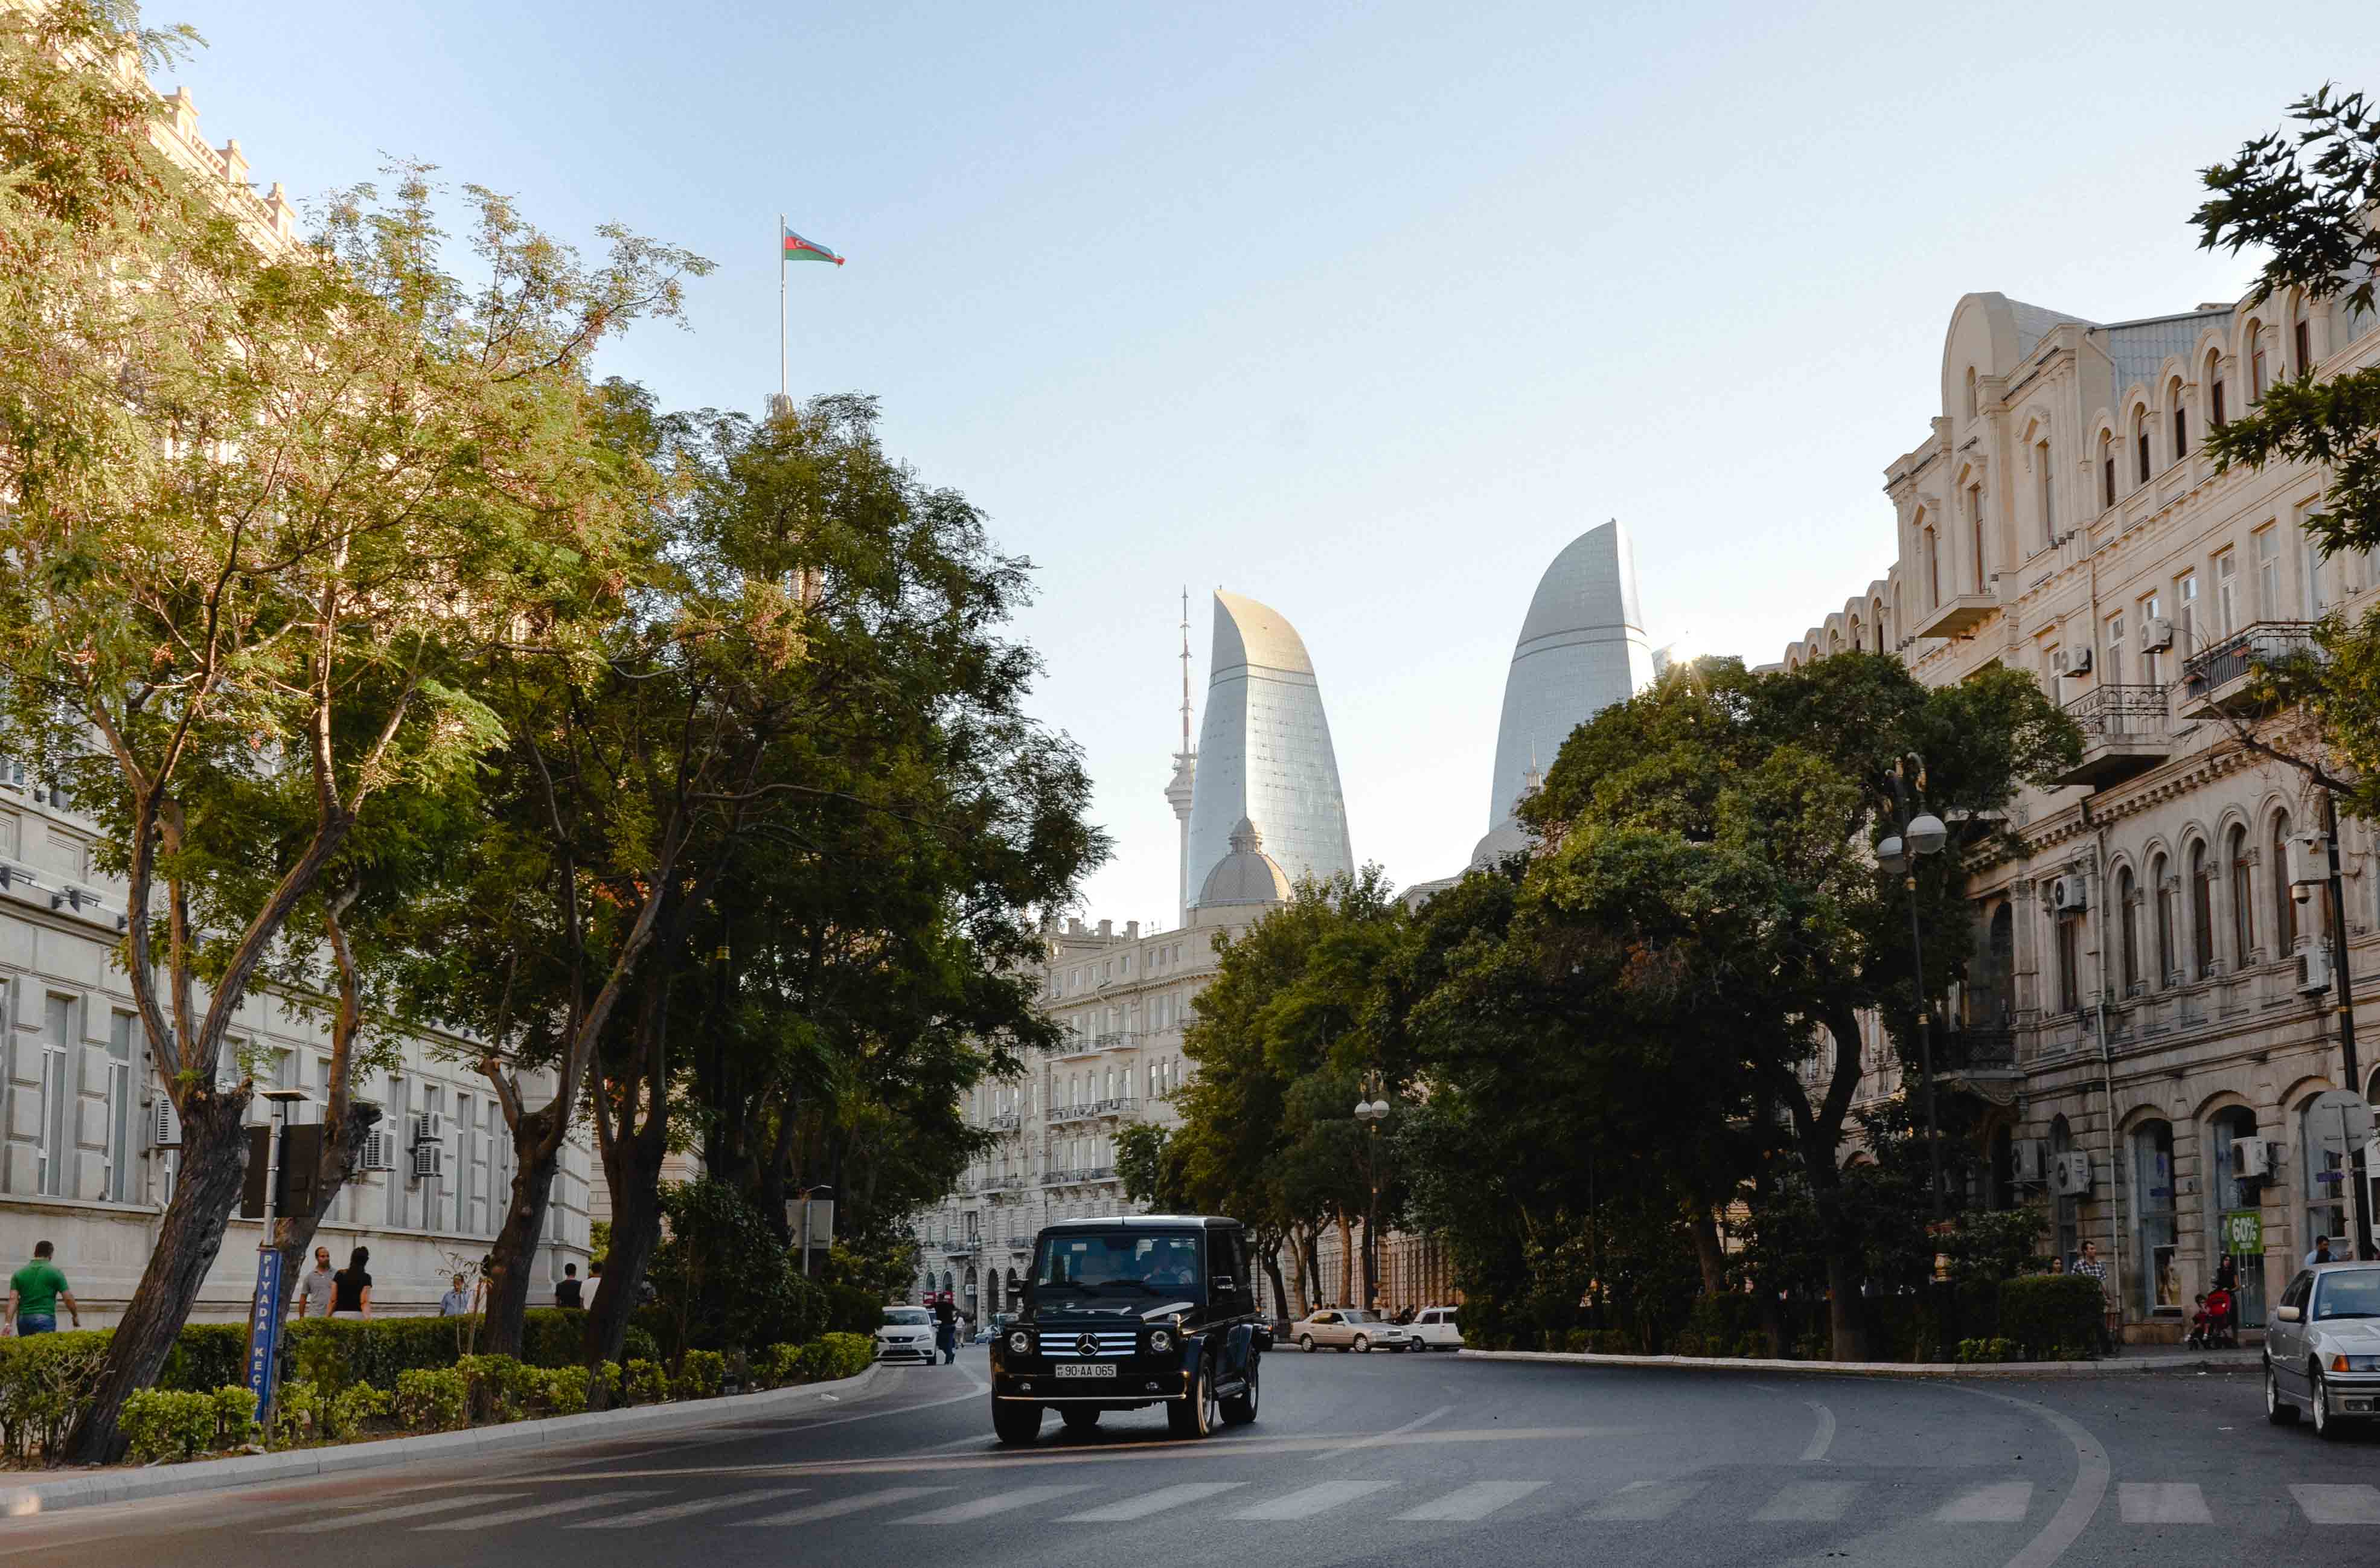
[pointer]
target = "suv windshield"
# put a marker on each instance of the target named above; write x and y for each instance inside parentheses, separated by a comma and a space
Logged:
(1128, 1272)
(2349, 1294)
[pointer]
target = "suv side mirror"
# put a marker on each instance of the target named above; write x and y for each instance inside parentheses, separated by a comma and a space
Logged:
(1222, 1285)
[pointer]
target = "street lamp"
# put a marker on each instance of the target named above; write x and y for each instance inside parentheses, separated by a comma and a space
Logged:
(1922, 833)
(1372, 1109)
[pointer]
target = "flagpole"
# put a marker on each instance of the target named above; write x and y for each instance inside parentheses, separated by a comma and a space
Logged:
(783, 390)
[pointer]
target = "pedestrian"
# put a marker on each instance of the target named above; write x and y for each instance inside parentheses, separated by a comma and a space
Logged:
(594, 1281)
(565, 1294)
(2201, 1326)
(456, 1303)
(2088, 1265)
(2320, 1253)
(946, 1330)
(314, 1291)
(2058, 1264)
(35, 1291)
(351, 1286)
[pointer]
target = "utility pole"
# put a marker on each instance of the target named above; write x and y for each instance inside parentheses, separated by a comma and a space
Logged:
(2344, 981)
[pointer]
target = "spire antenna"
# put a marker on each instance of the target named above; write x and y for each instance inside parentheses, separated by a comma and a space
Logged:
(1185, 669)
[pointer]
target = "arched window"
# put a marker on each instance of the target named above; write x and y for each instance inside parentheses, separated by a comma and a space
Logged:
(2301, 335)
(2285, 908)
(2256, 378)
(2202, 911)
(2161, 886)
(1933, 556)
(2069, 931)
(2159, 1287)
(2233, 1194)
(2243, 903)
(2141, 440)
(2128, 934)
(2002, 948)
(2214, 410)
(2325, 1202)
(2181, 420)
(2049, 493)
(1876, 621)
(2106, 467)
(2069, 1207)
(1973, 403)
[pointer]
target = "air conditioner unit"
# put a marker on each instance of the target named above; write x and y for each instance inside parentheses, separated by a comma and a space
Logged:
(2030, 1161)
(165, 1125)
(2313, 968)
(2070, 1175)
(2074, 662)
(429, 1160)
(2257, 1157)
(2069, 894)
(2309, 859)
(429, 1126)
(2157, 635)
(380, 1152)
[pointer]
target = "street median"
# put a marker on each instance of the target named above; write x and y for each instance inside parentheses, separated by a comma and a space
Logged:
(2114, 1367)
(85, 1489)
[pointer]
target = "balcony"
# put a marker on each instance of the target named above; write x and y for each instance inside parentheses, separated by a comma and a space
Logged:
(1956, 615)
(1061, 1114)
(1005, 1121)
(2125, 732)
(1982, 1060)
(2214, 681)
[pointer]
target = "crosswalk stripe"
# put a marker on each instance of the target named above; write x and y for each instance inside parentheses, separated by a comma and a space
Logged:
(842, 1506)
(1475, 1502)
(663, 1512)
(1645, 1500)
(383, 1515)
(1306, 1502)
(2338, 1504)
(2000, 1503)
(997, 1502)
(1156, 1502)
(2162, 1502)
(1809, 1502)
(535, 1510)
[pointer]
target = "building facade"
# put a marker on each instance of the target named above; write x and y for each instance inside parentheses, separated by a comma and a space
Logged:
(2137, 1016)
(89, 1145)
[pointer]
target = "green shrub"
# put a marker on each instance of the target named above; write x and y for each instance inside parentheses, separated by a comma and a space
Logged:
(295, 1411)
(335, 1352)
(2042, 1312)
(701, 1375)
(1997, 1348)
(553, 1336)
(234, 1416)
(1578, 1341)
(43, 1382)
(566, 1389)
(432, 1398)
(651, 1336)
(346, 1412)
(206, 1356)
(162, 1424)
(851, 1311)
(777, 1365)
(645, 1384)
(607, 1377)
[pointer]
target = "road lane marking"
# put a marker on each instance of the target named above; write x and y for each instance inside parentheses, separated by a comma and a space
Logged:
(1821, 1439)
(663, 1513)
(2338, 1504)
(997, 1502)
(842, 1506)
(2090, 1488)
(1809, 1502)
(1642, 1500)
(1378, 1439)
(2000, 1503)
(1475, 1502)
(383, 1515)
(1156, 1502)
(535, 1510)
(1307, 1501)
(2162, 1502)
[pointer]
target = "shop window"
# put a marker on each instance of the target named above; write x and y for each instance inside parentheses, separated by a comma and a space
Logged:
(2155, 1238)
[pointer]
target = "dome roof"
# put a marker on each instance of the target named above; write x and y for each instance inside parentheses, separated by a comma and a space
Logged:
(1503, 841)
(1247, 875)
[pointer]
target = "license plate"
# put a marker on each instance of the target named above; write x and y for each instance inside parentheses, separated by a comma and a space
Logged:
(1085, 1369)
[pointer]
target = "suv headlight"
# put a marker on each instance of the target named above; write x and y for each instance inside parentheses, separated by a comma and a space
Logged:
(1019, 1342)
(1160, 1340)
(2355, 1363)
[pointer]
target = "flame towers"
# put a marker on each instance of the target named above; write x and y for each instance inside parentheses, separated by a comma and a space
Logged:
(1264, 752)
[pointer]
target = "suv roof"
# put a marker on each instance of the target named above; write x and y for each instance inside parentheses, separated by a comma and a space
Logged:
(1141, 1222)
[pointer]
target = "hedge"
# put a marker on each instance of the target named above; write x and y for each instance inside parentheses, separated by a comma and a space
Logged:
(2052, 1315)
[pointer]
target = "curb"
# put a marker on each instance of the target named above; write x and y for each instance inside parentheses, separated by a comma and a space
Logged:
(2133, 1368)
(129, 1484)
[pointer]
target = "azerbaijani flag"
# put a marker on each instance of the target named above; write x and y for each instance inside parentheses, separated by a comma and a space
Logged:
(796, 249)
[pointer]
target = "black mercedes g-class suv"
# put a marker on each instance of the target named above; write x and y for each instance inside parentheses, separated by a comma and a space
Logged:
(1137, 1310)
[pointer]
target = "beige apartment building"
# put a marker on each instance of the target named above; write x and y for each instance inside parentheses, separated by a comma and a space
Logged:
(2139, 1018)
(89, 1143)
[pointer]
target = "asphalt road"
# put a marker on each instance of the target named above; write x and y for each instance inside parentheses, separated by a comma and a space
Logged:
(1354, 1459)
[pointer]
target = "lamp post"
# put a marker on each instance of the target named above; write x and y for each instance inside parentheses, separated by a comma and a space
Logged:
(1922, 833)
(1372, 1109)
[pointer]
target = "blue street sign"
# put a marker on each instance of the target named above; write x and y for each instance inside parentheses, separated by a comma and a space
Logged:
(264, 1333)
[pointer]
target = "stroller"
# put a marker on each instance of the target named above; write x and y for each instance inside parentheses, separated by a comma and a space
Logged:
(2222, 1319)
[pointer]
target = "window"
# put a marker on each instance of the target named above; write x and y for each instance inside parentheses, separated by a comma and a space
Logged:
(2151, 608)
(2069, 1207)
(54, 1155)
(1933, 569)
(2233, 1194)
(116, 1178)
(2186, 627)
(2201, 910)
(2152, 1218)
(1973, 404)
(2113, 673)
(2268, 575)
(2181, 423)
(2069, 963)
(2243, 903)
(2325, 1202)
(2303, 333)
(2226, 593)
(2128, 935)
(2214, 412)
(2106, 469)
(2140, 441)
(2161, 883)
(1975, 532)
(2048, 495)
(2285, 908)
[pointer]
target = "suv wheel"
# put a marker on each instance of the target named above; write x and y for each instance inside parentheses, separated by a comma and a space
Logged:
(1306, 1343)
(1198, 1415)
(1014, 1423)
(1240, 1408)
(2278, 1411)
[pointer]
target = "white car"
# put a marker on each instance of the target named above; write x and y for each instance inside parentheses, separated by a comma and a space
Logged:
(1350, 1327)
(1435, 1327)
(907, 1334)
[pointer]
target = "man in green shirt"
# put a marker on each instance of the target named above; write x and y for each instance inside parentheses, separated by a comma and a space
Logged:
(35, 1291)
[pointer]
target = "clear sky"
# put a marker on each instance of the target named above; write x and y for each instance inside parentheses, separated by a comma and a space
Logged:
(1362, 310)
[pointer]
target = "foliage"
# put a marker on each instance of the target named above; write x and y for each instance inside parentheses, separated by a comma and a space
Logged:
(1139, 1160)
(725, 1277)
(342, 1413)
(701, 1375)
(2049, 1314)
(433, 1399)
(645, 1382)
(207, 1356)
(163, 1424)
(45, 1379)
(1996, 1348)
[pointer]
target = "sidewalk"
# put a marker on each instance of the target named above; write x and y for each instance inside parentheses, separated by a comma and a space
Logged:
(34, 1492)
(2117, 1367)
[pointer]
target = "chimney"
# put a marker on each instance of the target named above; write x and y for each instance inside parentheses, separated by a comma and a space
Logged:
(235, 162)
(285, 216)
(185, 111)
(1074, 926)
(1132, 931)
(1107, 929)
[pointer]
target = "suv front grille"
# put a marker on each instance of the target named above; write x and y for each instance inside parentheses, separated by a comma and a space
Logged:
(1060, 1345)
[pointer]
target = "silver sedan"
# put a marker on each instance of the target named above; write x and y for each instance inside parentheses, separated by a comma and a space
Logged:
(2322, 1348)
(1350, 1327)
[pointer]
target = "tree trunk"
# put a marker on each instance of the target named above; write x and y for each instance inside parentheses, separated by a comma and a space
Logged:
(633, 1167)
(1272, 1272)
(1313, 1265)
(214, 1163)
(1346, 1261)
(1843, 1308)
(1704, 1227)
(537, 1148)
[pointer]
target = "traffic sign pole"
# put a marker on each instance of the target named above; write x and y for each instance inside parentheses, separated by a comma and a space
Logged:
(265, 1317)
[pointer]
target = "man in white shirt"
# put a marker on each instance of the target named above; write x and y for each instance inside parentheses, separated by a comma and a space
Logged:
(316, 1288)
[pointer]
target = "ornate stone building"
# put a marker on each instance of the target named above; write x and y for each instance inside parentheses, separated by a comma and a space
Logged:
(2135, 1016)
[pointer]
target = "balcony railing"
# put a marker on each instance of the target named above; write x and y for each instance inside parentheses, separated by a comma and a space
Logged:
(2214, 675)
(1005, 1121)
(1974, 1051)
(2125, 731)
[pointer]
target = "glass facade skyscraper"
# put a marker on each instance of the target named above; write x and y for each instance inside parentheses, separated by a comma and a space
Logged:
(1264, 750)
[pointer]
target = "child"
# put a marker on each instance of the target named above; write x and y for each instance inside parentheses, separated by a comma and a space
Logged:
(2201, 1326)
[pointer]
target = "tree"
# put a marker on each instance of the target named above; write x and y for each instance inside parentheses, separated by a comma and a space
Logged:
(271, 505)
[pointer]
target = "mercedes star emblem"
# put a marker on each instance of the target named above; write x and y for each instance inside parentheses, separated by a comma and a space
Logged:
(1087, 1346)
